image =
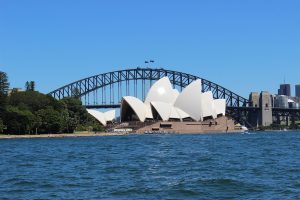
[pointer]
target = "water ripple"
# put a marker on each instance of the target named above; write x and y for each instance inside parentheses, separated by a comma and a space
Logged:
(220, 166)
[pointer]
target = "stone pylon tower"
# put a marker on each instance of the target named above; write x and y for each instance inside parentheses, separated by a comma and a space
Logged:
(265, 115)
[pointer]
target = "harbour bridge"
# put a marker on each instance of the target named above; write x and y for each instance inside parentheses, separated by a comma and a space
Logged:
(106, 90)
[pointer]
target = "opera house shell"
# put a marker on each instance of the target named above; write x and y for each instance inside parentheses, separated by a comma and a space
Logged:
(103, 118)
(167, 104)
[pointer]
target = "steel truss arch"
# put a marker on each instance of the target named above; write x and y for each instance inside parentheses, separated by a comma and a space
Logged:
(85, 86)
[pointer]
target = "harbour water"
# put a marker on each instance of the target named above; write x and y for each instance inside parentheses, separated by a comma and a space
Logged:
(214, 166)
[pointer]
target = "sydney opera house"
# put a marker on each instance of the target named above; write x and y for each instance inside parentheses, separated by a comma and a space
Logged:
(103, 118)
(167, 110)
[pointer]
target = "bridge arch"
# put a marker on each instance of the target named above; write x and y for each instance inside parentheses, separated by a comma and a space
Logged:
(110, 80)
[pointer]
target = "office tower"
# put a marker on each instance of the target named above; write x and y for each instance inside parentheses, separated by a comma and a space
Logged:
(297, 90)
(285, 89)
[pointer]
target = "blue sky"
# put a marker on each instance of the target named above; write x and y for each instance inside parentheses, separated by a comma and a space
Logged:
(242, 45)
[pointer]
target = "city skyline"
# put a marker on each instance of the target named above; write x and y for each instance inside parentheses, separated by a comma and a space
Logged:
(253, 46)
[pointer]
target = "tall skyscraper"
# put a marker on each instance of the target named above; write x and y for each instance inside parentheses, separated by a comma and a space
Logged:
(297, 90)
(285, 89)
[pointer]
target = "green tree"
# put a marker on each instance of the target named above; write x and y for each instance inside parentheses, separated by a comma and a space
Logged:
(34, 112)
(19, 121)
(77, 117)
(3, 104)
(75, 109)
(69, 123)
(51, 121)
(1, 126)
(34, 101)
(4, 84)
(67, 113)
(97, 127)
(76, 114)
(30, 86)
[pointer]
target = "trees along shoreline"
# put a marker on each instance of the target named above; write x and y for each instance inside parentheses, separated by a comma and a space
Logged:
(31, 112)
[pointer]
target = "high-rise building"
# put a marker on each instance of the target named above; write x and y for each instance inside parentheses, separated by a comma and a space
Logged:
(297, 90)
(285, 89)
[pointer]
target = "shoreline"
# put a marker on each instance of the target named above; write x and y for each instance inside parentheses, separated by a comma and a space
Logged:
(90, 134)
(104, 134)
(62, 135)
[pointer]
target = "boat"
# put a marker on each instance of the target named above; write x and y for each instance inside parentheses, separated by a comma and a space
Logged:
(244, 129)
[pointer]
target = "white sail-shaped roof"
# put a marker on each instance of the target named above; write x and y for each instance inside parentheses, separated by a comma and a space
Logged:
(99, 116)
(163, 109)
(166, 110)
(162, 91)
(110, 115)
(137, 106)
(189, 101)
(176, 94)
(169, 103)
(149, 114)
(181, 113)
(207, 105)
(174, 113)
(219, 106)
